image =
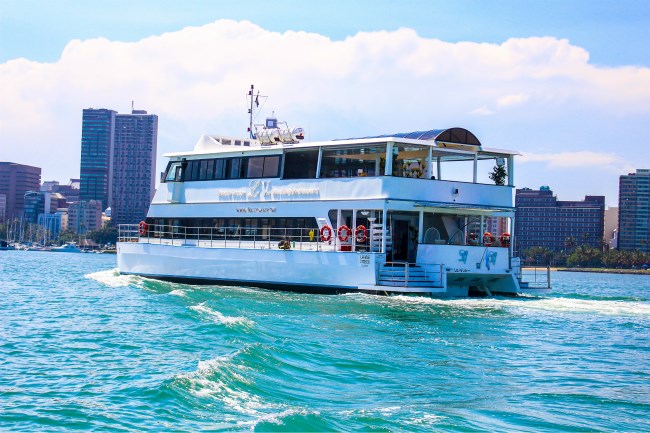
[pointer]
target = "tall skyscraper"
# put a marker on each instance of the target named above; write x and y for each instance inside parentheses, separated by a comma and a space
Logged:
(134, 166)
(118, 162)
(634, 211)
(544, 221)
(97, 136)
(15, 181)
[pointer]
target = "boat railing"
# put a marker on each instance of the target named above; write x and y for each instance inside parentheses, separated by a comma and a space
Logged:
(287, 238)
(536, 277)
(411, 274)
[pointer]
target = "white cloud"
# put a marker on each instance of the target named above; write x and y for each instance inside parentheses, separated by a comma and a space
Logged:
(509, 100)
(195, 79)
(482, 111)
(582, 159)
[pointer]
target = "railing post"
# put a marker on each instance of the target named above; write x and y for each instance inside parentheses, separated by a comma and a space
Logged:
(548, 277)
(406, 275)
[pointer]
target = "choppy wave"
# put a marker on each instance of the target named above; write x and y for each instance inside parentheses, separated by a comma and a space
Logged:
(220, 318)
(224, 379)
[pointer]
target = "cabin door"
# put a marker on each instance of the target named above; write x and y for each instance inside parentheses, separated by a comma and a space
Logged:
(400, 240)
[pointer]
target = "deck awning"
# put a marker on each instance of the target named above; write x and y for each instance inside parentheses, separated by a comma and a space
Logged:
(466, 209)
(450, 135)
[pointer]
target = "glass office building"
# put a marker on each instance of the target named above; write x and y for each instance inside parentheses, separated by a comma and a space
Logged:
(97, 135)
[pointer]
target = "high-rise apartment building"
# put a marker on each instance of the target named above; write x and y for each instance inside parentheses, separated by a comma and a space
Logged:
(544, 221)
(134, 166)
(97, 136)
(118, 157)
(85, 216)
(15, 181)
(634, 211)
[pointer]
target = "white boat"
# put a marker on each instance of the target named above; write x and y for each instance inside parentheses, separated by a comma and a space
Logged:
(70, 247)
(396, 213)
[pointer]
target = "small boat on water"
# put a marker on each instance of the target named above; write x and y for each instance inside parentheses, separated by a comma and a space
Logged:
(4, 246)
(70, 247)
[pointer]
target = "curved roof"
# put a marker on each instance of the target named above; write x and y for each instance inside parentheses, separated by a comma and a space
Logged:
(451, 135)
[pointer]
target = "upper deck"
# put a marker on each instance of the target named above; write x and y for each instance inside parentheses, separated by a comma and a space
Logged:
(435, 168)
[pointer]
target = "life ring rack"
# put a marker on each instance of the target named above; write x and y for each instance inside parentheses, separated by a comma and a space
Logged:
(325, 233)
(505, 239)
(361, 233)
(142, 228)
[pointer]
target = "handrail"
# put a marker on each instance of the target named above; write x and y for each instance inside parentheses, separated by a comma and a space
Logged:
(409, 274)
(285, 238)
(532, 276)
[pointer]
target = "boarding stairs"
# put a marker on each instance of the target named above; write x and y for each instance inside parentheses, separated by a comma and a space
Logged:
(376, 232)
(417, 278)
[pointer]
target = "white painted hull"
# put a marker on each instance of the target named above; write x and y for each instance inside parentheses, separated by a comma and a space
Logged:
(316, 271)
(278, 268)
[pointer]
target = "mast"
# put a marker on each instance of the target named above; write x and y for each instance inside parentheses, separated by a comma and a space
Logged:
(250, 112)
(253, 99)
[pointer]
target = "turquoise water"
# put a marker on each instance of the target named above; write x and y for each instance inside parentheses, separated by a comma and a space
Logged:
(83, 348)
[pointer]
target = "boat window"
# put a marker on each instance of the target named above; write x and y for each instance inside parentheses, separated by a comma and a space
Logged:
(210, 173)
(174, 172)
(203, 169)
(353, 161)
(300, 164)
(192, 170)
(236, 168)
(220, 169)
(252, 228)
(225, 168)
(255, 166)
(271, 166)
(410, 161)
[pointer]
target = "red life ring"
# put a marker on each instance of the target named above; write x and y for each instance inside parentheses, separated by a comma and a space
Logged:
(142, 228)
(505, 239)
(488, 239)
(325, 233)
(361, 233)
(343, 236)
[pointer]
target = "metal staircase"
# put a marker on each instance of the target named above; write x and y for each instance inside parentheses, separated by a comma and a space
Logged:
(410, 275)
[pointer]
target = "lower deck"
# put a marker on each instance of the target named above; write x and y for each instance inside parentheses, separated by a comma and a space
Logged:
(319, 266)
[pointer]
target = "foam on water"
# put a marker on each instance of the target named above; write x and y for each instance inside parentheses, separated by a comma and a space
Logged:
(178, 292)
(113, 278)
(557, 304)
(220, 318)
(223, 379)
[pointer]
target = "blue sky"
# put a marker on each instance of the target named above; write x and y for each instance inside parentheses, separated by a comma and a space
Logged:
(567, 83)
(612, 31)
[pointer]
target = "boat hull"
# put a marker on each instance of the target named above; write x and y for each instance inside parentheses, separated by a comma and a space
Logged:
(327, 271)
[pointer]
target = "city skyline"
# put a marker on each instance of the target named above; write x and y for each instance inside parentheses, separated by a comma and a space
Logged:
(568, 86)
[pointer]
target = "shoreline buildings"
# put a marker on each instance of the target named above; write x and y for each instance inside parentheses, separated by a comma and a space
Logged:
(15, 181)
(118, 162)
(634, 211)
(544, 221)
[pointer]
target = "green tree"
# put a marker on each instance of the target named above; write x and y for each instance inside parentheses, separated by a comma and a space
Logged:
(105, 235)
(498, 175)
(538, 256)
